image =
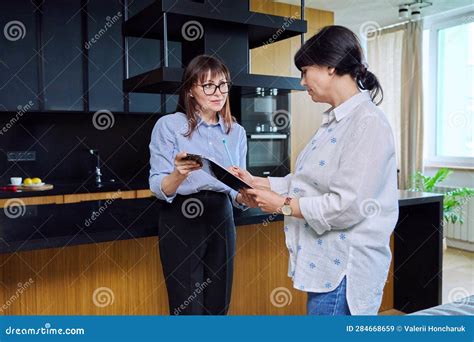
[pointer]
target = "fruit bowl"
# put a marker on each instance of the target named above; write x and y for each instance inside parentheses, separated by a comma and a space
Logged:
(33, 184)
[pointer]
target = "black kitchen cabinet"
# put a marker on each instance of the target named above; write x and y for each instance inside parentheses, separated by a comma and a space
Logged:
(80, 62)
(105, 50)
(135, 6)
(143, 55)
(63, 58)
(18, 58)
(171, 103)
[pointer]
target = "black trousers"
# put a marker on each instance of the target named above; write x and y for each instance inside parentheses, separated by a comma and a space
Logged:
(197, 247)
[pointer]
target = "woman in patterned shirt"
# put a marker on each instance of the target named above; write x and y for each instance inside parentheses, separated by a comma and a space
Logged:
(341, 202)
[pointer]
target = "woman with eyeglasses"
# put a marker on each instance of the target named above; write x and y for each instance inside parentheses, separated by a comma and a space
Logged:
(196, 225)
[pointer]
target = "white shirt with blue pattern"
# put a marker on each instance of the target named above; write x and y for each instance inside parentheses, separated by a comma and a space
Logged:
(346, 185)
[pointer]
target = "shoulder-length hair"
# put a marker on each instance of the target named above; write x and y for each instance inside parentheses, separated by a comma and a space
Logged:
(196, 72)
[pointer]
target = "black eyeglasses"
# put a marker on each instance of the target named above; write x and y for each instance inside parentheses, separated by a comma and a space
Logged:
(211, 88)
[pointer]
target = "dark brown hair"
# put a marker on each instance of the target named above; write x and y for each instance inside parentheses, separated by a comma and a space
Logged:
(197, 72)
(339, 48)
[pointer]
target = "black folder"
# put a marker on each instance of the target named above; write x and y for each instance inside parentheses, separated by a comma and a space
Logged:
(219, 172)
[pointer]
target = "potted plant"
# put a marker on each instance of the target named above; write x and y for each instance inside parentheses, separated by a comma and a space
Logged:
(453, 199)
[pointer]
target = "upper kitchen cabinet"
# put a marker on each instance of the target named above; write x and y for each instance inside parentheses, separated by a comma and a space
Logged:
(62, 55)
(261, 28)
(225, 29)
(105, 55)
(18, 56)
(144, 55)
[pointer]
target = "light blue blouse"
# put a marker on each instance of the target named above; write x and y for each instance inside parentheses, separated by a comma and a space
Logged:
(168, 139)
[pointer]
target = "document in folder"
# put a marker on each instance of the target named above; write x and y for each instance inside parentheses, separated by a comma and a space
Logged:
(219, 172)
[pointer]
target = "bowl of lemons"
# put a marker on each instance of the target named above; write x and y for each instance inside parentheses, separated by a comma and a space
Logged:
(32, 182)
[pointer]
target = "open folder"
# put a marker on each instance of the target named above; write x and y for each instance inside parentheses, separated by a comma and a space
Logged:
(219, 172)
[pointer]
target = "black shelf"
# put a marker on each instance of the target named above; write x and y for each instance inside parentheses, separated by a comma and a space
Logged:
(168, 79)
(262, 28)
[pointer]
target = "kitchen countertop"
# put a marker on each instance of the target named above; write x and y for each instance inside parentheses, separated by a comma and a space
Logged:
(61, 188)
(406, 197)
(59, 225)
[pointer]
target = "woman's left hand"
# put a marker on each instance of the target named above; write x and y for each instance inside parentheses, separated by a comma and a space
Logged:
(266, 200)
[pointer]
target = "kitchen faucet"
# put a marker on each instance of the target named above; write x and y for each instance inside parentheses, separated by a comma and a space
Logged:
(97, 171)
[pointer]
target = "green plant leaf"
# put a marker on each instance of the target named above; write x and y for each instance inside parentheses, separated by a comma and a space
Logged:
(453, 200)
(431, 182)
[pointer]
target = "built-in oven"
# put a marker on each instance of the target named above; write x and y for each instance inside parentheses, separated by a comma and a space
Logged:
(268, 154)
(265, 115)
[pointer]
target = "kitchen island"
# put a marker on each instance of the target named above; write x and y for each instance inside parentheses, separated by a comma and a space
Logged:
(73, 246)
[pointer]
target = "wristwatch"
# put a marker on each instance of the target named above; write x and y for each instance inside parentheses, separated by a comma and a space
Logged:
(286, 209)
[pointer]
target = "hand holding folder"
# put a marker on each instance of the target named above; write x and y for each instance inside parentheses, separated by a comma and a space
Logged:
(220, 173)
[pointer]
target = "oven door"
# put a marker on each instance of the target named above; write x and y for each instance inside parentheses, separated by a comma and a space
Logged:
(268, 155)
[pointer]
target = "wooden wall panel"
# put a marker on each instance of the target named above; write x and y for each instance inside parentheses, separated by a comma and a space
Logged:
(277, 59)
(65, 279)
(261, 268)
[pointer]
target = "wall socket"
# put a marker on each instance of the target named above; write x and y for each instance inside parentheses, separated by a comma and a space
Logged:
(15, 156)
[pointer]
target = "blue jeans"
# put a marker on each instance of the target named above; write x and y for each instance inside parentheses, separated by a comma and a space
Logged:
(332, 303)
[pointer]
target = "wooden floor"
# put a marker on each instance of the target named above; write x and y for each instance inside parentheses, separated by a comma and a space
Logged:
(458, 274)
(391, 312)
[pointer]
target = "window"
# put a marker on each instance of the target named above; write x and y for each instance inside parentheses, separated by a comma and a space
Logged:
(448, 76)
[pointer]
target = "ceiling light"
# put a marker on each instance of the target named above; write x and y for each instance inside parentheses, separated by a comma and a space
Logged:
(403, 12)
(416, 14)
(413, 7)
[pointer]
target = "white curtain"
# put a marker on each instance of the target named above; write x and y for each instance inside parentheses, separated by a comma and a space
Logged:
(394, 56)
(384, 56)
(412, 102)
